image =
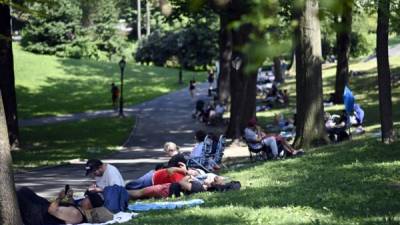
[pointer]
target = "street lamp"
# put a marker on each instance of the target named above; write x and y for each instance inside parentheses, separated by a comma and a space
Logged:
(122, 64)
(180, 45)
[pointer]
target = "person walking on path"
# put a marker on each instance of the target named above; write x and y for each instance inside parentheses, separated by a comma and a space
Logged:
(114, 95)
(192, 88)
(210, 78)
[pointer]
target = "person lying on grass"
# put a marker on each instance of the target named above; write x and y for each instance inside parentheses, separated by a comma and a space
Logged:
(187, 186)
(36, 210)
(161, 176)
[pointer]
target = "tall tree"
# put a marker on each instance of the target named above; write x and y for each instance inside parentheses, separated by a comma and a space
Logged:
(343, 41)
(148, 18)
(310, 128)
(225, 57)
(242, 81)
(278, 69)
(7, 81)
(384, 78)
(88, 7)
(9, 211)
(139, 20)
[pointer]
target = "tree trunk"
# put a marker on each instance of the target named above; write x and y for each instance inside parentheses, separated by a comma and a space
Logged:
(278, 70)
(384, 81)
(148, 17)
(139, 20)
(343, 42)
(310, 130)
(9, 210)
(225, 56)
(243, 87)
(87, 7)
(7, 81)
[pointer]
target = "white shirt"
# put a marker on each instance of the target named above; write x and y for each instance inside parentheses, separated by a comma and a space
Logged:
(110, 177)
(197, 150)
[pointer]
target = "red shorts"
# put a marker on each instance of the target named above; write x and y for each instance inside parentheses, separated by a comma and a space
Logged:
(157, 191)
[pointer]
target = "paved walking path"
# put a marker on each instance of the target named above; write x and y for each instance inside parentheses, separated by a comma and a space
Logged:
(167, 118)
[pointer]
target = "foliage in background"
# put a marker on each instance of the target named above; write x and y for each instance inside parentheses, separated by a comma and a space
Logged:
(192, 47)
(76, 29)
(52, 27)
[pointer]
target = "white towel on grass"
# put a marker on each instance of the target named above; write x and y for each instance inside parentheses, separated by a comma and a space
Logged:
(121, 217)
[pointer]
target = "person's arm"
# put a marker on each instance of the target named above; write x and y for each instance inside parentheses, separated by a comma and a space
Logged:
(95, 188)
(70, 215)
(172, 170)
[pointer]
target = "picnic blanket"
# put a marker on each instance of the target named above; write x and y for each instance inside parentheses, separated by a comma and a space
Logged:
(120, 217)
(144, 206)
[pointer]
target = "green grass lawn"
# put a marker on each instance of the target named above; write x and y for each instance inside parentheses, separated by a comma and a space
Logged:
(48, 85)
(57, 143)
(352, 183)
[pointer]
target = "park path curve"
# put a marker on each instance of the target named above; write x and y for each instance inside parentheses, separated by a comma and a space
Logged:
(166, 118)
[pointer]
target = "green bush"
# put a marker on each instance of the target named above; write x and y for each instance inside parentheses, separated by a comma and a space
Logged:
(193, 46)
(55, 26)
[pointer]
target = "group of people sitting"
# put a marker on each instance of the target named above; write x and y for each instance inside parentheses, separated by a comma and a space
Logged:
(109, 194)
(272, 146)
(210, 113)
(338, 126)
(274, 96)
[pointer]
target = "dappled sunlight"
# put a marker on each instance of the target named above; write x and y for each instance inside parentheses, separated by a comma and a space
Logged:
(49, 85)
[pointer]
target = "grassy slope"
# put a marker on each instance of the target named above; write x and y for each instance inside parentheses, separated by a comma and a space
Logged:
(350, 183)
(57, 143)
(48, 85)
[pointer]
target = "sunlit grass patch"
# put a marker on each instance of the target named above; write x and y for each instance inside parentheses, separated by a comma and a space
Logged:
(48, 85)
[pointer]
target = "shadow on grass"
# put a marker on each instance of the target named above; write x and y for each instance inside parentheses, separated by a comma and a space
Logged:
(52, 144)
(349, 181)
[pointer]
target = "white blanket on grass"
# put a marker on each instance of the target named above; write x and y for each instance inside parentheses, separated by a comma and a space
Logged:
(121, 217)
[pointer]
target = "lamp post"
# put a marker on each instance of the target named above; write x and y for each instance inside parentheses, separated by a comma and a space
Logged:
(180, 45)
(122, 64)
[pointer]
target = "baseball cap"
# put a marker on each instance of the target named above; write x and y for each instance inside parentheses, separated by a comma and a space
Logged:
(92, 165)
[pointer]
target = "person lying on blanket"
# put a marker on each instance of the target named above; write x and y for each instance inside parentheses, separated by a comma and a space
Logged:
(186, 185)
(36, 210)
(161, 176)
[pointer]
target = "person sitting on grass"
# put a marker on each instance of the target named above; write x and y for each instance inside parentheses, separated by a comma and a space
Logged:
(105, 175)
(36, 210)
(359, 118)
(172, 150)
(336, 126)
